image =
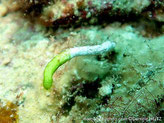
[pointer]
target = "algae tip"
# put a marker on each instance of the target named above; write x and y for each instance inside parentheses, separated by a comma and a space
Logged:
(65, 56)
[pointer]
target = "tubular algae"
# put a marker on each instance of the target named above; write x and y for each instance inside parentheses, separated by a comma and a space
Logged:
(60, 59)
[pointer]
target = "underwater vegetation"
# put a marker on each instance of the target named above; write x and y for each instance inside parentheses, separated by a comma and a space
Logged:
(125, 84)
(63, 57)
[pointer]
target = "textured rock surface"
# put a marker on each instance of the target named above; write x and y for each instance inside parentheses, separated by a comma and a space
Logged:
(65, 12)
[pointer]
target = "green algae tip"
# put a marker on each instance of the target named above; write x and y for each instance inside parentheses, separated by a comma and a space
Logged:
(65, 56)
(52, 66)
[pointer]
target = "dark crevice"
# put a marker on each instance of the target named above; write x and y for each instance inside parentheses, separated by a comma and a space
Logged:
(88, 89)
(105, 100)
(68, 105)
(151, 28)
(34, 10)
(110, 57)
(161, 114)
(102, 19)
